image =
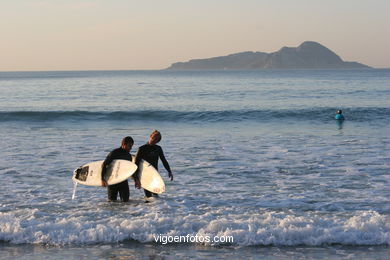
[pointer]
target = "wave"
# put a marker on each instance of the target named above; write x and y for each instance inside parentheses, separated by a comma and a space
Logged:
(318, 114)
(266, 229)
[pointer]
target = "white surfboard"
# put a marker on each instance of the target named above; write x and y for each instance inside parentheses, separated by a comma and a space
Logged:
(90, 174)
(150, 178)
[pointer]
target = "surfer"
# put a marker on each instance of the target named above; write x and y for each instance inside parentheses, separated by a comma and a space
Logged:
(121, 153)
(150, 152)
(339, 115)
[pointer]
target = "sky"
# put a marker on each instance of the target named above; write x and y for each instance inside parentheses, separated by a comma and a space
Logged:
(152, 34)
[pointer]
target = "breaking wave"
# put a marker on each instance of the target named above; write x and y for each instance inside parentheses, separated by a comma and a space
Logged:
(270, 228)
(318, 114)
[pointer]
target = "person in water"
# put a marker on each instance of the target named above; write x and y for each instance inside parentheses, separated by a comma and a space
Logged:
(121, 153)
(150, 152)
(339, 115)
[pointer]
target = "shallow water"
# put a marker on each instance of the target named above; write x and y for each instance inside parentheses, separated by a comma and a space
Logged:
(134, 250)
(256, 155)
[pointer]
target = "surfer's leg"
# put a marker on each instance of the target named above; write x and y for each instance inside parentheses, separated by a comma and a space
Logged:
(124, 192)
(112, 192)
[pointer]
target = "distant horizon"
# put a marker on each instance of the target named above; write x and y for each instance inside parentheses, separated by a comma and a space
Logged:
(186, 61)
(184, 71)
(166, 68)
(157, 69)
(74, 35)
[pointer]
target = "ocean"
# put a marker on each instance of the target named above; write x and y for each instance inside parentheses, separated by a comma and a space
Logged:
(257, 156)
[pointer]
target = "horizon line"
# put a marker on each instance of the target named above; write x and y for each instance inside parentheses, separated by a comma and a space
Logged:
(117, 70)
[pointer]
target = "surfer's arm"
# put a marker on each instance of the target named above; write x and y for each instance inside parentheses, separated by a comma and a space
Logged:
(135, 176)
(138, 158)
(106, 162)
(165, 163)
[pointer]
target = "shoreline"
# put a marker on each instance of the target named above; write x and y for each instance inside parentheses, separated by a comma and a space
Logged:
(133, 249)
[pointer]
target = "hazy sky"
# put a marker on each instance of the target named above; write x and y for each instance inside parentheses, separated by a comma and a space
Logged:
(152, 34)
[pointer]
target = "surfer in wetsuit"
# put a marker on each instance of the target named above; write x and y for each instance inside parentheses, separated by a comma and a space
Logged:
(339, 115)
(121, 153)
(150, 152)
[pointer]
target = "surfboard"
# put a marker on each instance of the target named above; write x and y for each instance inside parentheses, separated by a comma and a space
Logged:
(90, 174)
(150, 178)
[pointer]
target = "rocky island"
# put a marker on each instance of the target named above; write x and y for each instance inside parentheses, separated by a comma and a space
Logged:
(308, 55)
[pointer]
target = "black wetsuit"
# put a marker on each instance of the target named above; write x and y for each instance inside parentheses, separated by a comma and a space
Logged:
(122, 187)
(151, 153)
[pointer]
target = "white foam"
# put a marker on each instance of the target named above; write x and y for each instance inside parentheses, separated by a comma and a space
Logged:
(269, 228)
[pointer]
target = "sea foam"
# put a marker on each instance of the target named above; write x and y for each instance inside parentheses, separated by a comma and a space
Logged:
(268, 228)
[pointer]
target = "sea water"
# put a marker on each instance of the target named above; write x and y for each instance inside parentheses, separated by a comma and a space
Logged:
(256, 155)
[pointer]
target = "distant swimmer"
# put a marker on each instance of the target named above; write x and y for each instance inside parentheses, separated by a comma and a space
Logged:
(151, 152)
(339, 115)
(121, 153)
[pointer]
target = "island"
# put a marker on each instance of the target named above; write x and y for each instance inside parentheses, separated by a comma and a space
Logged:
(308, 55)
